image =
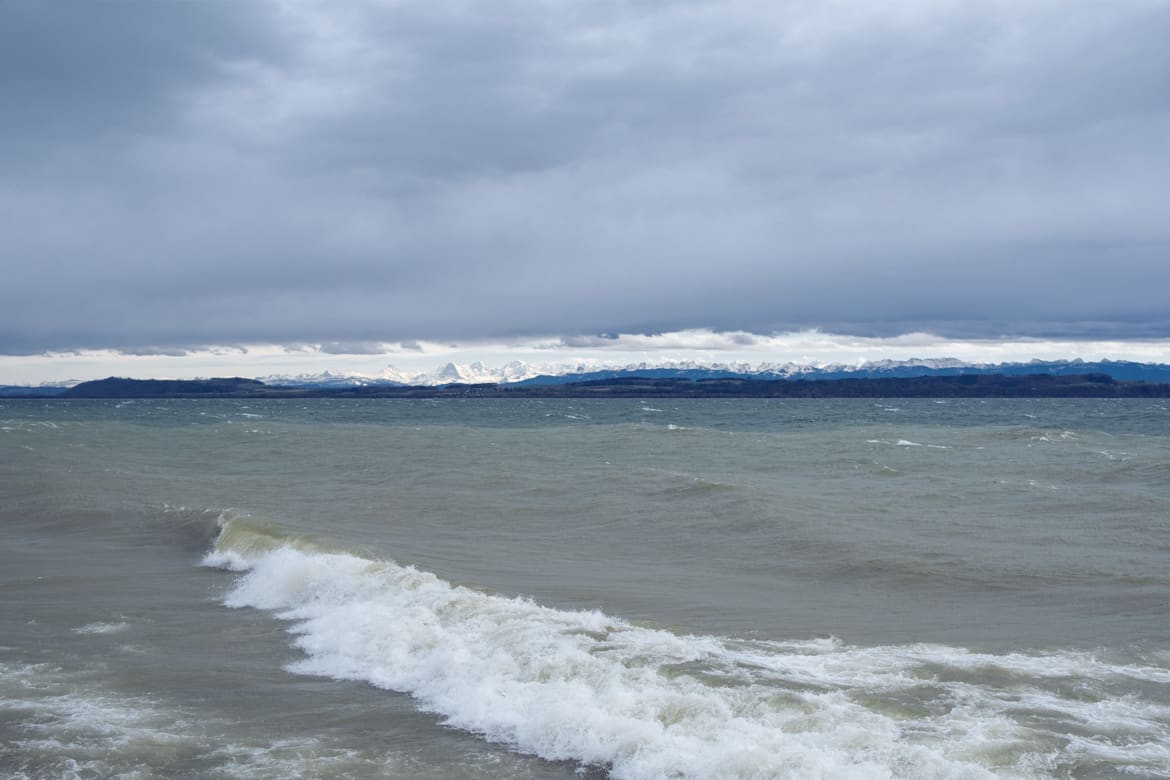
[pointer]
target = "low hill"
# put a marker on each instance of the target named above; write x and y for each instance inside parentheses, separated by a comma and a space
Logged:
(115, 387)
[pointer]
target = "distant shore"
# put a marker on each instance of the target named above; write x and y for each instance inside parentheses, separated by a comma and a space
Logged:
(960, 386)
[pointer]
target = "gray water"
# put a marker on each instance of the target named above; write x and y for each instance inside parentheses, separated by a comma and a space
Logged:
(473, 589)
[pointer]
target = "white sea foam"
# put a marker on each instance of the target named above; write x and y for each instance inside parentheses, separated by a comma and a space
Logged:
(79, 732)
(649, 703)
(908, 443)
(101, 628)
(64, 724)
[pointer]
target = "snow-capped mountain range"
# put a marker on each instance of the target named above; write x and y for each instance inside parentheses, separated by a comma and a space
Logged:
(518, 372)
(521, 372)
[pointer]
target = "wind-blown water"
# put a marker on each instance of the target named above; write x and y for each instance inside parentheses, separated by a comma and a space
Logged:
(814, 588)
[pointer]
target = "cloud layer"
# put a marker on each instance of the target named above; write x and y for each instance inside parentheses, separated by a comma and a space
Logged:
(177, 174)
(402, 361)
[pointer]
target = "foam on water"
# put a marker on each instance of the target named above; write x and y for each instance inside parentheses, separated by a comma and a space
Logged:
(101, 628)
(908, 443)
(62, 724)
(649, 703)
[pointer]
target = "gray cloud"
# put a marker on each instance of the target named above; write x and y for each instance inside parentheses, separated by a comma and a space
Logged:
(186, 173)
(77, 73)
(354, 348)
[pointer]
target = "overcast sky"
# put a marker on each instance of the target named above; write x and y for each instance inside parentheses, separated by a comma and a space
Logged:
(182, 174)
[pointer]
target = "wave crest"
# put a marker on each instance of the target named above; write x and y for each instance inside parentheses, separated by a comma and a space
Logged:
(644, 702)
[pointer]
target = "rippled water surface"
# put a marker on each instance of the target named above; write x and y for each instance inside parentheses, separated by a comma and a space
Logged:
(635, 589)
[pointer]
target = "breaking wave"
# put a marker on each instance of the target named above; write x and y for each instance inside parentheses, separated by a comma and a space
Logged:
(643, 702)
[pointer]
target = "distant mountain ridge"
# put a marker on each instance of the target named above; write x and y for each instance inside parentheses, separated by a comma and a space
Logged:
(522, 374)
(518, 372)
(953, 386)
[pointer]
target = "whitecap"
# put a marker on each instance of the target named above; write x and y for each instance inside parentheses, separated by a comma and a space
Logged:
(649, 703)
(908, 443)
(101, 628)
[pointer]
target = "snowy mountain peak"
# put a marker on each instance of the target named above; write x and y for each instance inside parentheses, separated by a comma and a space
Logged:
(519, 371)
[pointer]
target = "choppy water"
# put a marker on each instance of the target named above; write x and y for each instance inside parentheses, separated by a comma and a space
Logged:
(545, 589)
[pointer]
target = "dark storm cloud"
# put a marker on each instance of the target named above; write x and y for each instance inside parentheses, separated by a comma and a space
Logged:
(73, 71)
(183, 173)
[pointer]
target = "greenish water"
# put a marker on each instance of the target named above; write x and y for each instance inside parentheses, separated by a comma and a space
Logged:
(709, 588)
